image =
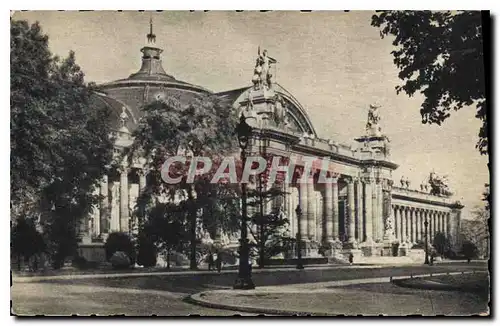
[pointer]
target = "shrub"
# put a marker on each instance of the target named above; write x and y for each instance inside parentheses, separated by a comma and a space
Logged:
(419, 245)
(80, 262)
(118, 241)
(120, 260)
(146, 252)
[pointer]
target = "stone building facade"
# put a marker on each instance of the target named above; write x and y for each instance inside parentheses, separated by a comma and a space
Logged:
(360, 211)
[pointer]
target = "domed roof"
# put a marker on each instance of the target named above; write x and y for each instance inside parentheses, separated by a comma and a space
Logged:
(152, 72)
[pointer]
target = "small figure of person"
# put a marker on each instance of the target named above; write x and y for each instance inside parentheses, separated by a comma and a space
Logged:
(468, 260)
(218, 262)
(210, 261)
(432, 259)
(351, 258)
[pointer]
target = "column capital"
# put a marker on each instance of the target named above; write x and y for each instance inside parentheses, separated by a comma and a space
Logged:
(142, 172)
(368, 180)
(348, 179)
(123, 169)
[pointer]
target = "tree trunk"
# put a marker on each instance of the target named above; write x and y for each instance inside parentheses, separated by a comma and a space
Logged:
(192, 217)
(18, 262)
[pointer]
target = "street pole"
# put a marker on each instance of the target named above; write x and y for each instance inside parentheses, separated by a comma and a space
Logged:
(426, 242)
(298, 210)
(244, 280)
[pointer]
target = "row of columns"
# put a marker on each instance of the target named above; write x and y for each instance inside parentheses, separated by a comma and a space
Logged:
(363, 211)
(102, 221)
(410, 223)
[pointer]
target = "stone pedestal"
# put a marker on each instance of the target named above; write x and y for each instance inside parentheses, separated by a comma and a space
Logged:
(356, 254)
(331, 248)
(403, 249)
(309, 249)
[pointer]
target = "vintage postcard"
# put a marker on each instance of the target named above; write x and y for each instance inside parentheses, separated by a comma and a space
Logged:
(221, 163)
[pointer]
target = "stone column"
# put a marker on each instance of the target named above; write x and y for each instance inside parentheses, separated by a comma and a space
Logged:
(142, 180)
(104, 206)
(447, 224)
(397, 222)
(435, 222)
(311, 211)
(96, 216)
(404, 224)
(418, 228)
(432, 226)
(335, 201)
(380, 210)
(375, 215)
(368, 210)
(441, 220)
(359, 209)
(413, 225)
(304, 207)
(124, 208)
(351, 210)
(328, 204)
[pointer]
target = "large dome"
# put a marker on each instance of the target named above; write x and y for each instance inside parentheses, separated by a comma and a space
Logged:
(149, 83)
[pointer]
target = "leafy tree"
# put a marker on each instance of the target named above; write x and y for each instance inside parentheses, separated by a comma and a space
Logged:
(60, 142)
(146, 251)
(120, 241)
(476, 230)
(440, 54)
(469, 250)
(200, 126)
(268, 229)
(441, 243)
(26, 241)
(165, 226)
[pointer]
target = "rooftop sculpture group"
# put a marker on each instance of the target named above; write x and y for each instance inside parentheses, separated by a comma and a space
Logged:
(262, 72)
(439, 185)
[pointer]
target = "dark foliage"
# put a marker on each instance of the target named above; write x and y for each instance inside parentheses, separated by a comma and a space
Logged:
(146, 251)
(119, 241)
(60, 144)
(440, 55)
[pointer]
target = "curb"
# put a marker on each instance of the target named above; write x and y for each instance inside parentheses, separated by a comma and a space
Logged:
(401, 282)
(197, 300)
(397, 280)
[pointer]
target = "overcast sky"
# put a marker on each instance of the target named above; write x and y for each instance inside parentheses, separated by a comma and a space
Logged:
(334, 63)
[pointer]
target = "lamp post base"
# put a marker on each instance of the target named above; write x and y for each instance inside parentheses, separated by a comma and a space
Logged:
(243, 284)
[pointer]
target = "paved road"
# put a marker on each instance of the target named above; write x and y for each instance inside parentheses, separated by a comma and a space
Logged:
(30, 299)
(163, 294)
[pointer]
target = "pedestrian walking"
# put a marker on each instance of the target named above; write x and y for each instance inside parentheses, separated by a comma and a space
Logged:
(210, 261)
(351, 258)
(218, 262)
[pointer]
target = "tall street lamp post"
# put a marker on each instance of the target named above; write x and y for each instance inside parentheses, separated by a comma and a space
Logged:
(426, 243)
(244, 280)
(298, 210)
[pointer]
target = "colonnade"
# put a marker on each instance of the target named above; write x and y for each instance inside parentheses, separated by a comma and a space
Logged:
(357, 200)
(346, 209)
(410, 223)
(118, 199)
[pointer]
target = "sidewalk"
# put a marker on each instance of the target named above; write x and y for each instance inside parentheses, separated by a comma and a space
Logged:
(371, 296)
(137, 273)
(145, 272)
